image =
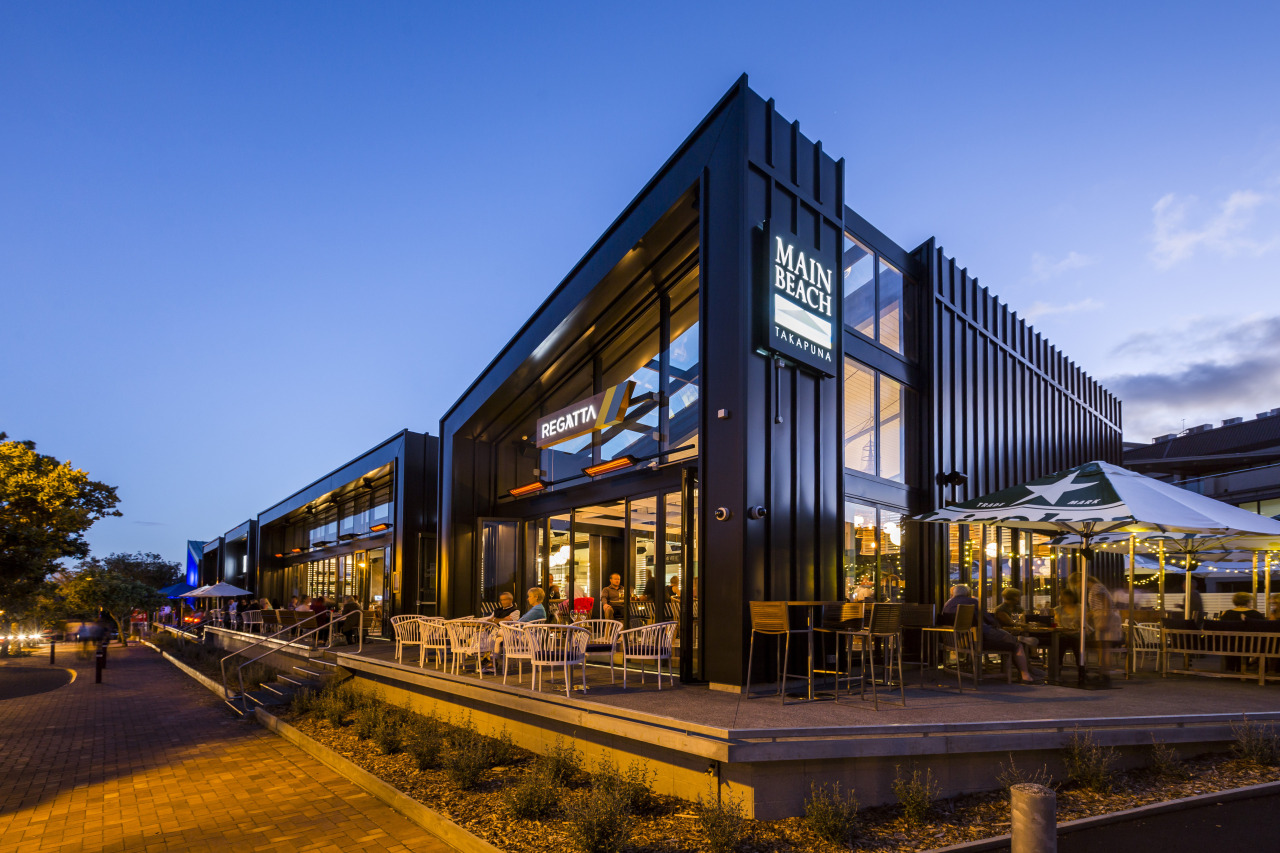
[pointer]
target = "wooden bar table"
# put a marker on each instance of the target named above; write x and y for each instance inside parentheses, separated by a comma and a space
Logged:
(1042, 632)
(812, 610)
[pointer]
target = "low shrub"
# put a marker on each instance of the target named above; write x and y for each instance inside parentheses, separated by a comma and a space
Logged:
(532, 797)
(916, 794)
(1011, 774)
(1255, 743)
(561, 763)
(368, 717)
(724, 823)
(302, 701)
(388, 734)
(832, 817)
(1166, 763)
(503, 750)
(600, 820)
(630, 785)
(1090, 765)
(467, 757)
(424, 744)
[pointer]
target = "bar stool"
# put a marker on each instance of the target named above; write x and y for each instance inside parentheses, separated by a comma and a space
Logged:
(885, 624)
(770, 619)
(959, 638)
(842, 621)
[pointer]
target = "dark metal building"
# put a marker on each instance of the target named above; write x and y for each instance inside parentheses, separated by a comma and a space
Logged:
(739, 393)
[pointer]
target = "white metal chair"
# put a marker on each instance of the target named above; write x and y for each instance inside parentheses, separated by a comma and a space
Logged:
(408, 631)
(557, 646)
(604, 640)
(1145, 640)
(252, 620)
(648, 642)
(515, 647)
(435, 639)
(470, 638)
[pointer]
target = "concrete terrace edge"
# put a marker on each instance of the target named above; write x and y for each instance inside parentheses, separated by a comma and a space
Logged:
(424, 816)
(1150, 810)
(204, 680)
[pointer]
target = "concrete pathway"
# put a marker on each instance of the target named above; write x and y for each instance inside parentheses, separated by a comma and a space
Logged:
(1235, 825)
(150, 761)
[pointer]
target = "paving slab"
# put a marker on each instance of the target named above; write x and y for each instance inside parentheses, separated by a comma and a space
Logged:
(148, 760)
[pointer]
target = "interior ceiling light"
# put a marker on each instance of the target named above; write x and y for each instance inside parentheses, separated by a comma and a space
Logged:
(612, 465)
(528, 489)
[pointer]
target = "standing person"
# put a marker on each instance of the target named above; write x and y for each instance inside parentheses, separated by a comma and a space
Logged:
(1102, 619)
(1067, 615)
(233, 609)
(613, 601)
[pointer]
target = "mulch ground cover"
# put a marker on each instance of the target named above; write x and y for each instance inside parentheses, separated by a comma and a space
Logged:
(674, 826)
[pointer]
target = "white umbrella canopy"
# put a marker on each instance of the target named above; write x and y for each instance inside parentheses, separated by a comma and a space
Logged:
(1098, 498)
(198, 592)
(219, 590)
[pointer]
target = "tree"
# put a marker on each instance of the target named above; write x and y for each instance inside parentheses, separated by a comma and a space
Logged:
(147, 568)
(45, 508)
(95, 587)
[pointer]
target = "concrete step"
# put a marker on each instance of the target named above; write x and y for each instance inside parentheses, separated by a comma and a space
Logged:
(264, 697)
(236, 704)
(308, 672)
(297, 682)
(283, 689)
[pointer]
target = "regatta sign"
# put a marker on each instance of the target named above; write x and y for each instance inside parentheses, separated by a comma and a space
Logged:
(606, 409)
(798, 298)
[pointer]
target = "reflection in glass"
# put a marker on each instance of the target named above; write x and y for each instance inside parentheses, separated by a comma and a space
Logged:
(889, 579)
(860, 546)
(642, 585)
(684, 364)
(559, 561)
(635, 356)
(893, 431)
(859, 287)
(889, 307)
(859, 418)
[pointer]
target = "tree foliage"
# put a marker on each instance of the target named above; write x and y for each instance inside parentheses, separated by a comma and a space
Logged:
(45, 508)
(94, 586)
(148, 568)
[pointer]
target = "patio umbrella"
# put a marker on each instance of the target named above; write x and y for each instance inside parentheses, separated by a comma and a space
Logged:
(1096, 498)
(198, 592)
(219, 590)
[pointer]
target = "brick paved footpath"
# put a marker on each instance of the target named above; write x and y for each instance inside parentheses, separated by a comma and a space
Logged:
(149, 761)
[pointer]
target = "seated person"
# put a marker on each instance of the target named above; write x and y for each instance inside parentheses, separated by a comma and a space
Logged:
(506, 609)
(1241, 611)
(994, 638)
(536, 610)
(613, 600)
(866, 590)
(351, 619)
(1010, 610)
(673, 589)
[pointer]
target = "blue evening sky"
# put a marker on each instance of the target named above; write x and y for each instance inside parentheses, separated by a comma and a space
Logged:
(240, 243)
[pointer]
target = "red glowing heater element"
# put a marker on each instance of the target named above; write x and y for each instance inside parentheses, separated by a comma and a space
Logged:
(378, 528)
(606, 467)
(296, 550)
(529, 489)
(279, 555)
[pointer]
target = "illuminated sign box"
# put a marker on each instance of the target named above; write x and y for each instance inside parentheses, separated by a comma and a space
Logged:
(798, 299)
(604, 410)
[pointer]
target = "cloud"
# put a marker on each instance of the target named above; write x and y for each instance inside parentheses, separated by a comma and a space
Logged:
(1231, 231)
(1044, 309)
(1044, 268)
(1236, 373)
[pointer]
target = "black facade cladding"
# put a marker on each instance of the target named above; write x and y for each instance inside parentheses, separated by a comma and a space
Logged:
(985, 395)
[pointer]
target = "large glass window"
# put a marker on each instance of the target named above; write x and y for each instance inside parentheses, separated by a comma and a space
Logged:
(874, 423)
(635, 356)
(875, 298)
(684, 369)
(873, 554)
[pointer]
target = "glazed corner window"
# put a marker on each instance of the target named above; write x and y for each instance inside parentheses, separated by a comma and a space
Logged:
(873, 297)
(874, 425)
(872, 554)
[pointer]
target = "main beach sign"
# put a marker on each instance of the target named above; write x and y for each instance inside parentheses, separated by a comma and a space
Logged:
(605, 409)
(798, 294)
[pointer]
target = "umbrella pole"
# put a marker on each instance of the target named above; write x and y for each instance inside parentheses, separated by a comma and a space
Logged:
(1161, 595)
(1255, 580)
(1133, 547)
(1266, 562)
(1188, 583)
(1083, 675)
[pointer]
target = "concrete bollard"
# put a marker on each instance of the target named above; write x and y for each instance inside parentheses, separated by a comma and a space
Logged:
(1035, 823)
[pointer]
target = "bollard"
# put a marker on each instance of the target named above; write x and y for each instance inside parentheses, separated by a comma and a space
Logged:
(52, 644)
(1035, 824)
(103, 651)
(101, 660)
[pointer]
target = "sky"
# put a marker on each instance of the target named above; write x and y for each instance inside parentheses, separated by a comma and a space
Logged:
(229, 233)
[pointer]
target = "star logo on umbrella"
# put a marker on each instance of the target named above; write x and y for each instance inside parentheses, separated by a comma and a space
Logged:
(1053, 492)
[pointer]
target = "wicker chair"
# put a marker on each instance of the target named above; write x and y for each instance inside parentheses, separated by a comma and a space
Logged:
(558, 646)
(648, 642)
(769, 619)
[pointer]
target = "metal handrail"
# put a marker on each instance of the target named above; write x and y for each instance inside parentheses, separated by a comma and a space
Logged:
(331, 624)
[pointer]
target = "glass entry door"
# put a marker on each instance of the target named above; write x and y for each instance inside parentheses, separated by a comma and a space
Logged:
(499, 561)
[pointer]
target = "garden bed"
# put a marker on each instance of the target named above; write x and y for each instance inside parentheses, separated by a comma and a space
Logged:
(526, 803)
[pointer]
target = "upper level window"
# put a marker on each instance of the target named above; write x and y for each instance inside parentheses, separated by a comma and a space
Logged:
(874, 423)
(874, 296)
